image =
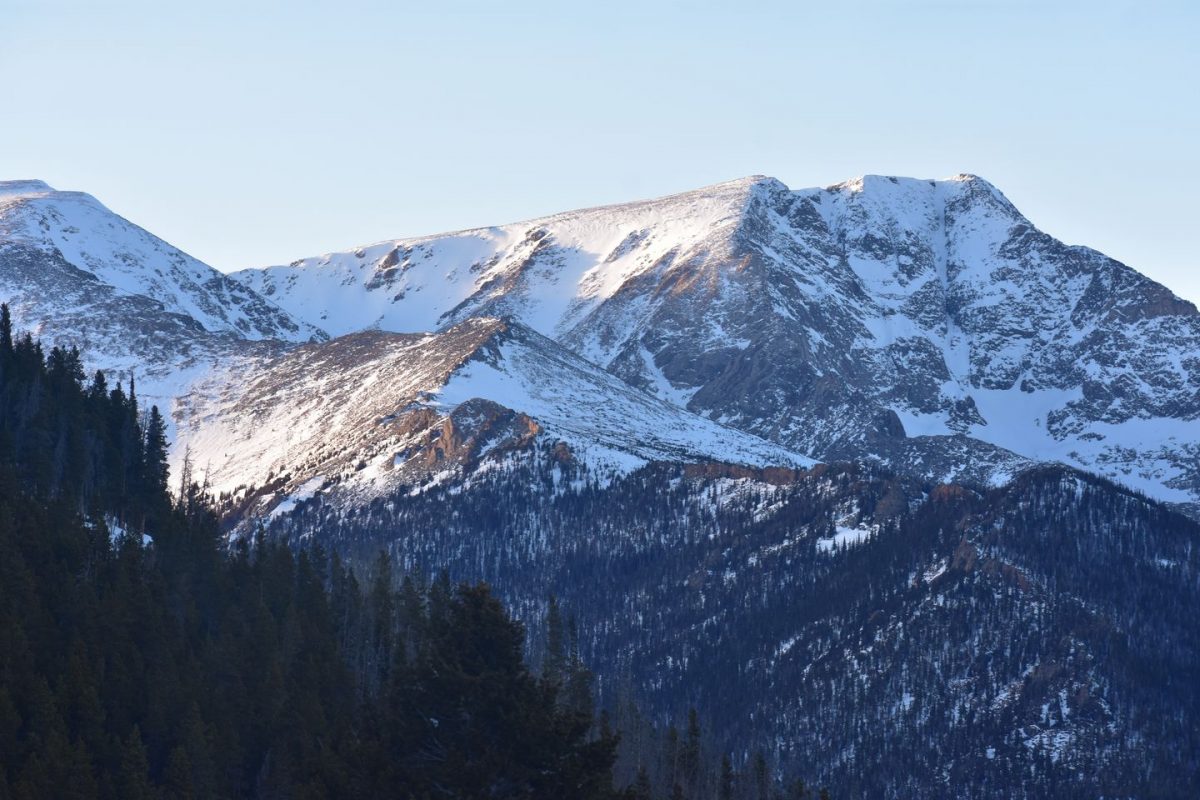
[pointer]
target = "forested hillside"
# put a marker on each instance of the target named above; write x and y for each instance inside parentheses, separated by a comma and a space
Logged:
(887, 637)
(139, 658)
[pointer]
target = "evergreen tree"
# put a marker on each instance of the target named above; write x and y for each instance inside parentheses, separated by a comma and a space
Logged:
(555, 660)
(155, 470)
(798, 790)
(133, 780)
(98, 390)
(725, 782)
(186, 668)
(6, 331)
(689, 756)
(762, 777)
(579, 679)
(642, 788)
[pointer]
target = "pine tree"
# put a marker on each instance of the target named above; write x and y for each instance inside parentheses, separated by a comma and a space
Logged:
(579, 679)
(725, 783)
(134, 778)
(689, 756)
(177, 784)
(75, 777)
(642, 789)
(6, 331)
(554, 662)
(762, 777)
(671, 755)
(98, 390)
(798, 790)
(382, 605)
(197, 754)
(155, 470)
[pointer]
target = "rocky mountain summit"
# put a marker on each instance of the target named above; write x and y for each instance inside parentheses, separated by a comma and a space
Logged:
(926, 325)
(75, 273)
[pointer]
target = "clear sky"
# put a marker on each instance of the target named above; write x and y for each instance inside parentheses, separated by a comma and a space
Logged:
(251, 133)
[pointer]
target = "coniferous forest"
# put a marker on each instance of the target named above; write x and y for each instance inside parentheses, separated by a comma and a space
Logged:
(140, 657)
(1034, 640)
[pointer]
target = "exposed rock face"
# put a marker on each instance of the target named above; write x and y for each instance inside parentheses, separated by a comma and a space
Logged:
(925, 324)
(471, 430)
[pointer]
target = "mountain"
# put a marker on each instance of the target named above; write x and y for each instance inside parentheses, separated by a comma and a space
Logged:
(624, 406)
(890, 638)
(926, 325)
(75, 273)
(367, 414)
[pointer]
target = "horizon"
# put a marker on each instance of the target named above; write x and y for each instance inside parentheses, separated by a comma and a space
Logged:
(251, 137)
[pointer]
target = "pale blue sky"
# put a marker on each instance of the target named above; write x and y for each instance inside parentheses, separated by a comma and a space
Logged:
(250, 137)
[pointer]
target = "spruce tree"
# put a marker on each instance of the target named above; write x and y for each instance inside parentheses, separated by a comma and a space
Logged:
(554, 662)
(642, 789)
(133, 780)
(762, 777)
(689, 757)
(6, 331)
(156, 473)
(725, 782)
(578, 682)
(98, 390)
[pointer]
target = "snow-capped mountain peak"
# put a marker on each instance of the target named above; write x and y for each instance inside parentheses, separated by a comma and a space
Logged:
(882, 317)
(25, 188)
(924, 324)
(118, 255)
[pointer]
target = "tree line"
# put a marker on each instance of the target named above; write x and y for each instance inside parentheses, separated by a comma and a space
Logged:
(143, 657)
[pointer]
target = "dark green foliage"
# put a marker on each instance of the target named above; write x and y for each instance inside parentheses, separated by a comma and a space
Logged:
(6, 331)
(85, 449)
(176, 670)
(762, 777)
(463, 716)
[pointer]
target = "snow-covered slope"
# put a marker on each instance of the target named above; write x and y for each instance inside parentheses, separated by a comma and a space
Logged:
(120, 255)
(549, 272)
(366, 412)
(76, 274)
(923, 324)
(927, 324)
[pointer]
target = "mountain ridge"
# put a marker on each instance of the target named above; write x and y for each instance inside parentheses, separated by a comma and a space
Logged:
(924, 325)
(595, 405)
(937, 303)
(400, 410)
